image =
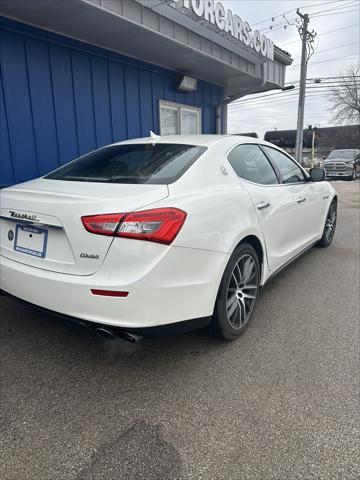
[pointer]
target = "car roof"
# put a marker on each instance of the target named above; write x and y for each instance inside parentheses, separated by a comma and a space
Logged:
(200, 140)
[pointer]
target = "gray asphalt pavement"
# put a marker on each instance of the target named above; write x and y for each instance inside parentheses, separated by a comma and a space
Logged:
(280, 403)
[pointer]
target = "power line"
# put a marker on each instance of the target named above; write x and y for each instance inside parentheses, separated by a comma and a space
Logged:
(269, 101)
(279, 27)
(325, 78)
(333, 48)
(346, 5)
(330, 78)
(272, 98)
(270, 104)
(311, 86)
(290, 101)
(293, 10)
(276, 26)
(287, 94)
(280, 102)
(336, 59)
(285, 23)
(325, 33)
(327, 83)
(332, 82)
(293, 93)
(335, 13)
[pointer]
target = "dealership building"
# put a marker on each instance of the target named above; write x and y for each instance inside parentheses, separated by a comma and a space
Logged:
(79, 74)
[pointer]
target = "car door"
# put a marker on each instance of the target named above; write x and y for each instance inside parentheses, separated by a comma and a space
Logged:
(308, 197)
(273, 202)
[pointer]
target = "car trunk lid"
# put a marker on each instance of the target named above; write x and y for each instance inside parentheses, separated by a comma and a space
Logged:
(41, 221)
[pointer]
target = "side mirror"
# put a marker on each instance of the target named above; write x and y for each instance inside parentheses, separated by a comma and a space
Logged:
(317, 174)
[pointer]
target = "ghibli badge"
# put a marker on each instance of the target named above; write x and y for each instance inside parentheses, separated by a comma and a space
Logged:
(91, 256)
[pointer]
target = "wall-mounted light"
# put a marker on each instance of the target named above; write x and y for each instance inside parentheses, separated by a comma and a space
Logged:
(187, 84)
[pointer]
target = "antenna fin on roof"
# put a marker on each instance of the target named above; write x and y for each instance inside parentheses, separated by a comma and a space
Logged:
(154, 137)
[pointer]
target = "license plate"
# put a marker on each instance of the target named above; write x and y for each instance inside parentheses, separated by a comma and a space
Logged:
(31, 240)
(333, 174)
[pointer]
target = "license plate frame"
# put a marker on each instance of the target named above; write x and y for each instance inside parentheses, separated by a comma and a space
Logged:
(35, 252)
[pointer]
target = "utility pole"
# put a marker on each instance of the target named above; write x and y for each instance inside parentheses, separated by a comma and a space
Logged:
(305, 55)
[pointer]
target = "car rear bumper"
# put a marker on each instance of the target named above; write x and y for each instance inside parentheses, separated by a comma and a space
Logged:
(182, 286)
(169, 329)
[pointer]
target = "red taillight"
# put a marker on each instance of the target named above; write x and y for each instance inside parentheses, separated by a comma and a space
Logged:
(102, 224)
(157, 225)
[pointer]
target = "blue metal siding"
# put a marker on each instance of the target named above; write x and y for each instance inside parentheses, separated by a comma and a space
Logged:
(40, 87)
(60, 98)
(84, 103)
(6, 166)
(18, 107)
(64, 103)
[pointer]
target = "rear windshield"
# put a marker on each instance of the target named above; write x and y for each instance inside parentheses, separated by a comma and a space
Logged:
(137, 163)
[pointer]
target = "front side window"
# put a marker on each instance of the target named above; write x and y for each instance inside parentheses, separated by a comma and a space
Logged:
(179, 119)
(161, 163)
(289, 170)
(250, 163)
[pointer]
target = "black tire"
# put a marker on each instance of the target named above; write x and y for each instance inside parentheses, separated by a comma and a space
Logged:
(229, 329)
(330, 226)
(353, 176)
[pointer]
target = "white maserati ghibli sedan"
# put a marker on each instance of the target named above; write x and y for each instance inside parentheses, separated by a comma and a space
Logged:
(159, 232)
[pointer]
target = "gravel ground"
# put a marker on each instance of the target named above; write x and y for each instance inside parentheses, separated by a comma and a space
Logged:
(280, 403)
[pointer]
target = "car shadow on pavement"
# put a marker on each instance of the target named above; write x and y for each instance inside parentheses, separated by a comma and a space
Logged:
(27, 328)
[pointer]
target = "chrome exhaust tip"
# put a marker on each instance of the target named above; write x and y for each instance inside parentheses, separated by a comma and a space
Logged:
(110, 334)
(129, 337)
(104, 332)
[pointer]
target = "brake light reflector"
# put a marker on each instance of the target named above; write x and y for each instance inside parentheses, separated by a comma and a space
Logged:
(102, 224)
(159, 225)
(108, 293)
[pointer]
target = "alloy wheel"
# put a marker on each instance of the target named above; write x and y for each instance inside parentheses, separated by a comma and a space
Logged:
(330, 224)
(242, 291)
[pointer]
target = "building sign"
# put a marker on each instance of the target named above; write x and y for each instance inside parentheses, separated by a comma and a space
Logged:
(224, 20)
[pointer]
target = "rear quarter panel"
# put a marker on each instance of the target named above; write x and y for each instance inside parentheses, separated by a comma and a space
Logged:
(217, 220)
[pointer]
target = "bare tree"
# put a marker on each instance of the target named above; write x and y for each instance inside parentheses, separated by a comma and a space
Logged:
(345, 97)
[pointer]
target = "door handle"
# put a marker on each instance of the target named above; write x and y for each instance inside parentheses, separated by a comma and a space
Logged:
(301, 200)
(263, 205)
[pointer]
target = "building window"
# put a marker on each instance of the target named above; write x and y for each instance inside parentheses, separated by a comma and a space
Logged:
(178, 119)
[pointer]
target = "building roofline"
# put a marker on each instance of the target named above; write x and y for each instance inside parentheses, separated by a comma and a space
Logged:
(283, 56)
(166, 38)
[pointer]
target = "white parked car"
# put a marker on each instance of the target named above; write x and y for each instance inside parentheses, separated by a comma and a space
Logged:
(147, 233)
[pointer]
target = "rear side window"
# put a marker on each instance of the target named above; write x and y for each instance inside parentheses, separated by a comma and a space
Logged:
(289, 170)
(137, 163)
(250, 163)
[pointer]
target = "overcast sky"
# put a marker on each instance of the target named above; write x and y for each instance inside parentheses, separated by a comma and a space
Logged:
(325, 17)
